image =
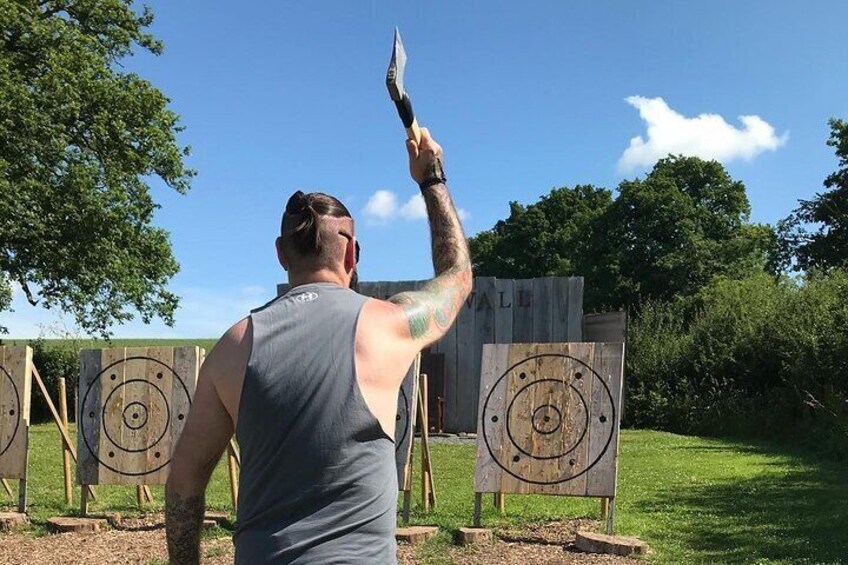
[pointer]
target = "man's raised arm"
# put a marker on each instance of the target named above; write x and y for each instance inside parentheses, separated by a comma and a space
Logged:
(429, 312)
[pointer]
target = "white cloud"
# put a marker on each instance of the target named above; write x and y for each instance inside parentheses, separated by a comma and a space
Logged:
(414, 209)
(384, 206)
(707, 136)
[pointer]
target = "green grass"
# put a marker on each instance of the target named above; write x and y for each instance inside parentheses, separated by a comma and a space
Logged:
(694, 500)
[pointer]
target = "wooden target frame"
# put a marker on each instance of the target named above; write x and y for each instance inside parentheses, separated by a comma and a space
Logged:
(15, 399)
(549, 418)
(132, 405)
(412, 408)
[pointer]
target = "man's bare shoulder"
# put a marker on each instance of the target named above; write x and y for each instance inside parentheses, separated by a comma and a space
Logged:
(381, 316)
(226, 364)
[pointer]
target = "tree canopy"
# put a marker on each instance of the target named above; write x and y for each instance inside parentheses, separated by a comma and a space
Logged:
(815, 235)
(668, 234)
(79, 142)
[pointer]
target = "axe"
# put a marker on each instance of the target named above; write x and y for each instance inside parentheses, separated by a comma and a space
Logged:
(394, 80)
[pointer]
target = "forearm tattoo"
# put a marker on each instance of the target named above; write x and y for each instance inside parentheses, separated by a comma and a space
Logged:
(431, 310)
(183, 522)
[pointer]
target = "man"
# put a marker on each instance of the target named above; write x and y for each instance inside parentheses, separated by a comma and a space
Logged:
(309, 383)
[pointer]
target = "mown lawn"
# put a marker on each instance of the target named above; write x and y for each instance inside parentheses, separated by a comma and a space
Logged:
(693, 500)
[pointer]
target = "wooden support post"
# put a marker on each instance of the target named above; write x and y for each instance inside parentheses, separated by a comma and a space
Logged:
(22, 488)
(139, 495)
(407, 483)
(235, 452)
(84, 501)
(148, 496)
(611, 517)
(500, 502)
(604, 509)
(62, 429)
(428, 486)
(66, 455)
(478, 508)
(231, 463)
(6, 486)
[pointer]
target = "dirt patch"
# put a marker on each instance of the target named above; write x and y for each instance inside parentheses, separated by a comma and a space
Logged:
(141, 541)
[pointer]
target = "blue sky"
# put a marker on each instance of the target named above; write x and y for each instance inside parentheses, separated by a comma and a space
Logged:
(280, 96)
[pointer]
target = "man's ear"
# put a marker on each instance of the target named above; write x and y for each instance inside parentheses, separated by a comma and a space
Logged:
(350, 255)
(281, 255)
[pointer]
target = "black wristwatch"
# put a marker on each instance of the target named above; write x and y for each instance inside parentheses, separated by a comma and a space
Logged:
(437, 176)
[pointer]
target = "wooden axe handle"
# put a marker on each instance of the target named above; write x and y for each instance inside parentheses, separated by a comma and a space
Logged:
(413, 132)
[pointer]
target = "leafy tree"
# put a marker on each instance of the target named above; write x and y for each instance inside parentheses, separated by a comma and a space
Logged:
(668, 234)
(825, 246)
(556, 236)
(79, 140)
(674, 231)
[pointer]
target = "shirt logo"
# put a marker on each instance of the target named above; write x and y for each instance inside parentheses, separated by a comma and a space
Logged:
(303, 297)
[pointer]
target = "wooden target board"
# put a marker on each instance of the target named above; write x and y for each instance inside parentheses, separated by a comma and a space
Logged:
(132, 406)
(549, 418)
(405, 424)
(15, 394)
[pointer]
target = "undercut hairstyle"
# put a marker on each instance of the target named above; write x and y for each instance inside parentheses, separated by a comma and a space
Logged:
(309, 241)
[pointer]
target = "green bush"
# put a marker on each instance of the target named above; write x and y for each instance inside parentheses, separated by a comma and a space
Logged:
(53, 361)
(759, 356)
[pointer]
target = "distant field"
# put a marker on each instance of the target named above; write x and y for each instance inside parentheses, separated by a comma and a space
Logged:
(95, 343)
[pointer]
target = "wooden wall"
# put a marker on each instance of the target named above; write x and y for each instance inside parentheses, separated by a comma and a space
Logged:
(542, 310)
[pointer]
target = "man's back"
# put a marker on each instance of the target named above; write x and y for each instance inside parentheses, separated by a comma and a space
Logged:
(310, 386)
(318, 483)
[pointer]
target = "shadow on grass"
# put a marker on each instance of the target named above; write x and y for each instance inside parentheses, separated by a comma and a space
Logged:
(795, 510)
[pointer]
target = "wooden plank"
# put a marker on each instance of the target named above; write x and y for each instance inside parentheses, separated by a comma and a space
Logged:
(108, 415)
(559, 307)
(448, 347)
(503, 310)
(15, 397)
(466, 398)
(88, 417)
(522, 311)
(543, 310)
(575, 309)
(519, 405)
(604, 426)
(187, 367)
(484, 329)
(165, 403)
(66, 455)
(492, 410)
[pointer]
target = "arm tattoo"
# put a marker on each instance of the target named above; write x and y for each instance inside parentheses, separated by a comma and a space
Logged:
(183, 521)
(431, 310)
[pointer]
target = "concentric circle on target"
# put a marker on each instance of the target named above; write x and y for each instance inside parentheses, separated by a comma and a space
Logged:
(402, 419)
(546, 420)
(13, 410)
(136, 415)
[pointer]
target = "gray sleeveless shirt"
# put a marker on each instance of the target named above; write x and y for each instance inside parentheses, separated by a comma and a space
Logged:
(318, 481)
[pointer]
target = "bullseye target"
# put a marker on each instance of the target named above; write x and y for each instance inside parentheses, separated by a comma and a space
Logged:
(133, 405)
(549, 418)
(15, 382)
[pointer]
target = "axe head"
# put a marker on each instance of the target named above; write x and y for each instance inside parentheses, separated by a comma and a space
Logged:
(394, 76)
